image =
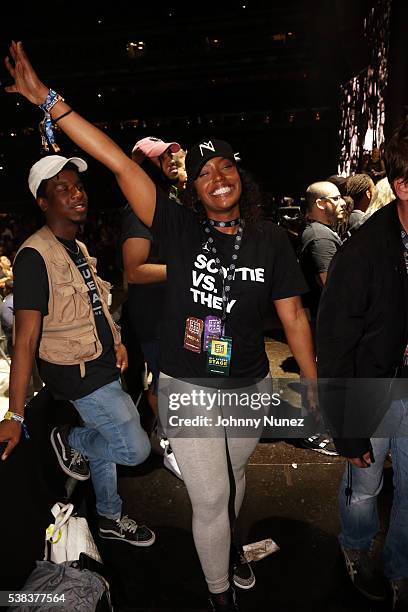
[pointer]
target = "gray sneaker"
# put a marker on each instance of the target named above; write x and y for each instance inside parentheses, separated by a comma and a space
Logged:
(364, 574)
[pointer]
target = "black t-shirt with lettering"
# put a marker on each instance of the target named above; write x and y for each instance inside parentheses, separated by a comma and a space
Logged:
(266, 270)
(31, 292)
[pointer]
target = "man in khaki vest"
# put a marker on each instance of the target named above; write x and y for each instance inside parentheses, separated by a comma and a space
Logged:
(61, 310)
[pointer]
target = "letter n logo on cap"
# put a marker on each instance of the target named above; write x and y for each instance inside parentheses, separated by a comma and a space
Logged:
(206, 145)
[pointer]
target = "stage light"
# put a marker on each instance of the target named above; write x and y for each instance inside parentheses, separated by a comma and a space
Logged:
(279, 37)
(136, 49)
(213, 41)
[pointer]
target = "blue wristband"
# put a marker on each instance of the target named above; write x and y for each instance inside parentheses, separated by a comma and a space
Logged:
(52, 98)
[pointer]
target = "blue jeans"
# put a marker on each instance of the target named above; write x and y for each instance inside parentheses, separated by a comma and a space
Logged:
(111, 435)
(359, 520)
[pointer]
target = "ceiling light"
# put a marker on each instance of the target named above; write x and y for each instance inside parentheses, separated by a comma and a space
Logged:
(136, 49)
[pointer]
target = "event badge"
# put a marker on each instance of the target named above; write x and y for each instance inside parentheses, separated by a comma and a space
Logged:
(213, 328)
(219, 355)
(192, 334)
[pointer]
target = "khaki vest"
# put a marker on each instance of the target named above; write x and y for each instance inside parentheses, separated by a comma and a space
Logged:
(69, 335)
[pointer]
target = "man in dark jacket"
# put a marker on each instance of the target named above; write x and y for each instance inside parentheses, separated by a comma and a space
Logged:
(362, 336)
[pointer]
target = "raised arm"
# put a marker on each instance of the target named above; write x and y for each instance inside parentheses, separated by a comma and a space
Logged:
(137, 187)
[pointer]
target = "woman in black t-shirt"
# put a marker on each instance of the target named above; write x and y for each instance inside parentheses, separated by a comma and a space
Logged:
(223, 267)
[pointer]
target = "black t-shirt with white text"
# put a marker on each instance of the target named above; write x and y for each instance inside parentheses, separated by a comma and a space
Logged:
(266, 270)
(31, 292)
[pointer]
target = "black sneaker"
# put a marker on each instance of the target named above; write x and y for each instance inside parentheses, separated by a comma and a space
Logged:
(364, 574)
(321, 444)
(242, 574)
(70, 460)
(400, 592)
(125, 529)
(224, 602)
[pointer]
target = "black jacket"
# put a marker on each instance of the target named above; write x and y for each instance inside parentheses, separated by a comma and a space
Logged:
(362, 326)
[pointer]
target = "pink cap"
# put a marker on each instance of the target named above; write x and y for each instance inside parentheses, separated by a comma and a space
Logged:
(152, 147)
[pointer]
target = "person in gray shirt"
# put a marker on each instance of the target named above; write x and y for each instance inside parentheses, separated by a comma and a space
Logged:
(325, 209)
(319, 241)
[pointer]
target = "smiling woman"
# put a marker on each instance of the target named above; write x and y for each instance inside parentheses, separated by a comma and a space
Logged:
(224, 267)
(246, 193)
(219, 189)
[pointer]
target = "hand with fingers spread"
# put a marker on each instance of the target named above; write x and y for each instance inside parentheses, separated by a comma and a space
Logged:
(26, 81)
(137, 187)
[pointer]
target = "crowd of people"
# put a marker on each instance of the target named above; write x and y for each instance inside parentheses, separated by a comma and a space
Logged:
(202, 267)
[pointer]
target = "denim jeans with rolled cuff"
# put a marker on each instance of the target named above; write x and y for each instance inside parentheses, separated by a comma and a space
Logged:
(111, 435)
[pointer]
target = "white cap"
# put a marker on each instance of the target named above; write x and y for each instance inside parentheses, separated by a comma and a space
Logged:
(49, 166)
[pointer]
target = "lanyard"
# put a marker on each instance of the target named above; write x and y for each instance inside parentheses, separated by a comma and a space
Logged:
(210, 246)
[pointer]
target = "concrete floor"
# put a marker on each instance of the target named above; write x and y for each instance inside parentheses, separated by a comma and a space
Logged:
(291, 497)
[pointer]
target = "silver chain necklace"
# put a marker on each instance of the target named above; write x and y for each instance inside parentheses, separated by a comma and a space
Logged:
(70, 250)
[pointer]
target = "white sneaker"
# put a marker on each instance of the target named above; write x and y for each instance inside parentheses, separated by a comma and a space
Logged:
(169, 460)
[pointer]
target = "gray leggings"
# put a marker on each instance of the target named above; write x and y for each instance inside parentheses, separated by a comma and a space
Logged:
(203, 465)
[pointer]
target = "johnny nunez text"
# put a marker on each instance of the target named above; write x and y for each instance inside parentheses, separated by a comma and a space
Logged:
(230, 421)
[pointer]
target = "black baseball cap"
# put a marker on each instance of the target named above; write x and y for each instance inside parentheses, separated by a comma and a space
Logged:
(204, 150)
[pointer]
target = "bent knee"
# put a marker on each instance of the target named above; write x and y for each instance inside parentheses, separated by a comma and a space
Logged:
(136, 453)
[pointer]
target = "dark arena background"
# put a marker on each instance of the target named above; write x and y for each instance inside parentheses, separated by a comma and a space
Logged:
(268, 76)
(302, 89)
